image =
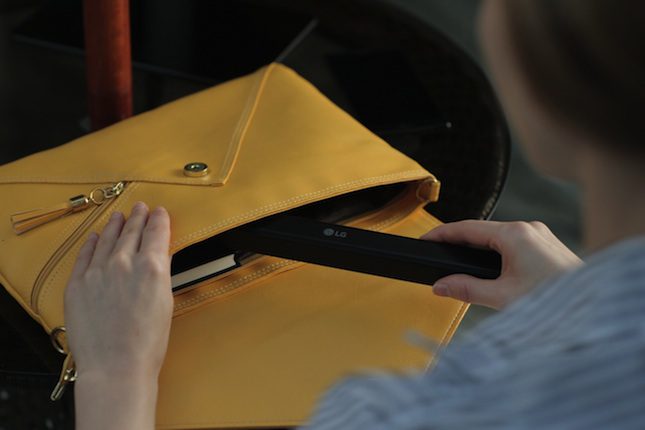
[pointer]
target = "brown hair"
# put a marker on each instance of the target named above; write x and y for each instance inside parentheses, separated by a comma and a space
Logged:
(585, 60)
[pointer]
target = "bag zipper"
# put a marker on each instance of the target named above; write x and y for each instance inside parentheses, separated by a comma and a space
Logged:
(101, 198)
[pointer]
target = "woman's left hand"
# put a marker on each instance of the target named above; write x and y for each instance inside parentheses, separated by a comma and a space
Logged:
(118, 308)
(118, 303)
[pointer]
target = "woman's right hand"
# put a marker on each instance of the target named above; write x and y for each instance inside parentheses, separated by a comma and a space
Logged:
(530, 254)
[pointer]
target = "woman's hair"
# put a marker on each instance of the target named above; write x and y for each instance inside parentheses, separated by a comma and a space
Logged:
(585, 60)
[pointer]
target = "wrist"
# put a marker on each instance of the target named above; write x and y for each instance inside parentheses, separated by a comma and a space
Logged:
(110, 377)
(118, 370)
(110, 401)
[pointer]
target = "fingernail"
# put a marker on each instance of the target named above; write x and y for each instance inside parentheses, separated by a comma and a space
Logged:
(92, 236)
(440, 289)
(116, 215)
(138, 206)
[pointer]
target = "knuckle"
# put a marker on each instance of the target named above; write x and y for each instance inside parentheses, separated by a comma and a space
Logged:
(519, 229)
(460, 292)
(120, 261)
(153, 265)
(154, 227)
(542, 229)
(130, 229)
(93, 275)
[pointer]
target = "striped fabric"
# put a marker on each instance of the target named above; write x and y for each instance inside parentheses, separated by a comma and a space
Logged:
(571, 355)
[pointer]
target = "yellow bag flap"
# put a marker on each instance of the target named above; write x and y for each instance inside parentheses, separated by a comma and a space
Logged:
(271, 116)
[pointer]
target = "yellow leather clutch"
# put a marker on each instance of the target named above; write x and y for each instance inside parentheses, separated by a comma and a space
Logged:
(258, 345)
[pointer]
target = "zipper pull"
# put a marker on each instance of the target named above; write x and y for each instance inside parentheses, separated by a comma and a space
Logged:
(67, 375)
(68, 372)
(25, 221)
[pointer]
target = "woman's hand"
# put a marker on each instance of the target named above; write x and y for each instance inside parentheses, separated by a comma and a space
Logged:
(118, 302)
(530, 254)
(118, 308)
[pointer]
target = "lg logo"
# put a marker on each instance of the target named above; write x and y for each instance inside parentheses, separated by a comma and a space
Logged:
(335, 233)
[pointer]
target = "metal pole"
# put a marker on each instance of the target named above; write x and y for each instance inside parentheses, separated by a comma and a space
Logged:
(108, 61)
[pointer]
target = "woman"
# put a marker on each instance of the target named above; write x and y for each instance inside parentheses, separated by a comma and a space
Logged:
(566, 351)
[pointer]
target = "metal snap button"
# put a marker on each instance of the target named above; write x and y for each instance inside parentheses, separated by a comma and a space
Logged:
(196, 169)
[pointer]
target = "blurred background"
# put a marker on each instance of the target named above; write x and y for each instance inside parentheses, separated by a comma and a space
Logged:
(432, 88)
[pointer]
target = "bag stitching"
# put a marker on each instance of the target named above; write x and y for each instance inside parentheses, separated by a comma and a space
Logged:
(289, 201)
(60, 239)
(244, 123)
(98, 179)
(246, 279)
(52, 250)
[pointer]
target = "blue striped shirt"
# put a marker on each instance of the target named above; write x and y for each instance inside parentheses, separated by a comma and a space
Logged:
(570, 355)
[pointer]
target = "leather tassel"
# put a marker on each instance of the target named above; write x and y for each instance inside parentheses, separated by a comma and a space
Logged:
(25, 221)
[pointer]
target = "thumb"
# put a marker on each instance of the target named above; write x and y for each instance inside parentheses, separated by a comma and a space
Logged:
(469, 289)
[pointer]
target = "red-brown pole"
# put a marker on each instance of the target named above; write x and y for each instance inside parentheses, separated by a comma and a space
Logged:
(108, 61)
